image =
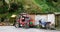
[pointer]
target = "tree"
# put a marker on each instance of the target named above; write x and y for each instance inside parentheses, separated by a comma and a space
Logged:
(13, 7)
(4, 7)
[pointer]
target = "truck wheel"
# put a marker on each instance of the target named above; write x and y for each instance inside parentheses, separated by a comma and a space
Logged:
(26, 26)
(17, 25)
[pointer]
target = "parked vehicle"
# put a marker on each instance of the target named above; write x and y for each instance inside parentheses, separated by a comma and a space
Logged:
(24, 21)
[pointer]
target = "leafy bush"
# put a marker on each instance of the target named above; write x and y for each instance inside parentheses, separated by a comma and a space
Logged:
(3, 9)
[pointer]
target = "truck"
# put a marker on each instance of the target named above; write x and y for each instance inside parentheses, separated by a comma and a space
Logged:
(23, 21)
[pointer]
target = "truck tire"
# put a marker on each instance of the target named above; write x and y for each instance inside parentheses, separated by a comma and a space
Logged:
(17, 25)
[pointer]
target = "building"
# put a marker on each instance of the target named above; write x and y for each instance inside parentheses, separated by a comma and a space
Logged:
(48, 17)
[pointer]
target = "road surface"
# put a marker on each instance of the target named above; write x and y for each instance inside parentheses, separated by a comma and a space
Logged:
(13, 29)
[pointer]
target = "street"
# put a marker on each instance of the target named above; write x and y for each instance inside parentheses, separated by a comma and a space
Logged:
(13, 29)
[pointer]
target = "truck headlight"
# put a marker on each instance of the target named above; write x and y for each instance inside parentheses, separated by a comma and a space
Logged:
(20, 25)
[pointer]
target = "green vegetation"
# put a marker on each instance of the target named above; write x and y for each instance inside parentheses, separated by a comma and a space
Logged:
(49, 5)
(7, 9)
(19, 6)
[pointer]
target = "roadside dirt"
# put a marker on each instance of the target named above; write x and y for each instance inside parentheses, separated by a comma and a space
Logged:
(4, 24)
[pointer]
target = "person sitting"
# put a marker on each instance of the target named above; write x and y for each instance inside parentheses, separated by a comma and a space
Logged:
(42, 24)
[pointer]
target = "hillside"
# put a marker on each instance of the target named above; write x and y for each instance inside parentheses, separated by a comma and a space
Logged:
(49, 5)
(9, 7)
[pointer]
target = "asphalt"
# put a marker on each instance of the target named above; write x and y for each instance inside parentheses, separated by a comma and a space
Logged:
(14, 29)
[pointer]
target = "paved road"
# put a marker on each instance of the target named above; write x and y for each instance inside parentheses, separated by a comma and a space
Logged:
(13, 29)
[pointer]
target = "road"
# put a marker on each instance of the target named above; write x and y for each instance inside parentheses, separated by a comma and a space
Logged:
(13, 29)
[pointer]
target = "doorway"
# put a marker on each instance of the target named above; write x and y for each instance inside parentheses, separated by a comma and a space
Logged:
(57, 22)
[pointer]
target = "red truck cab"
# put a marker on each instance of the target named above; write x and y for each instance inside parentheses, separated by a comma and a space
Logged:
(24, 20)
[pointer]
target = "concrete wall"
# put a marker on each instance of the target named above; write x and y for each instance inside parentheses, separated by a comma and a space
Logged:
(51, 18)
(40, 17)
(47, 18)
